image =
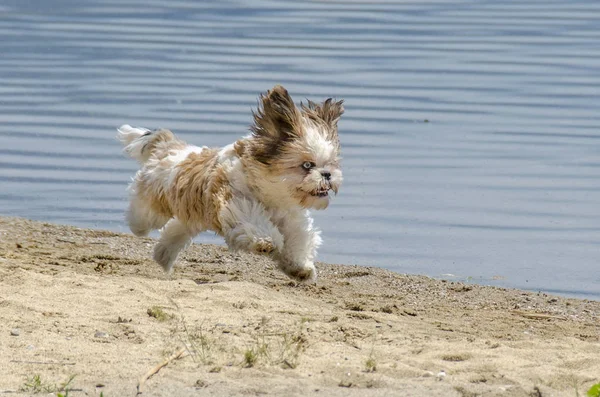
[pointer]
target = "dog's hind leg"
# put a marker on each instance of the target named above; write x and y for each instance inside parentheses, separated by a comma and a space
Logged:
(141, 219)
(174, 238)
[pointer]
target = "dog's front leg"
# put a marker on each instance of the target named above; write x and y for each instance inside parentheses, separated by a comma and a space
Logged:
(301, 240)
(247, 226)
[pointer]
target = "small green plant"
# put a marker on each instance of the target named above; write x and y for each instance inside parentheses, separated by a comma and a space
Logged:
(158, 313)
(250, 358)
(34, 384)
(65, 387)
(594, 391)
(371, 365)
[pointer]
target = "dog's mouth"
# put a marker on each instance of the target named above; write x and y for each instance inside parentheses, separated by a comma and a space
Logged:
(320, 192)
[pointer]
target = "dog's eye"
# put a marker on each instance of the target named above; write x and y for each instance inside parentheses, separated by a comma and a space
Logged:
(307, 165)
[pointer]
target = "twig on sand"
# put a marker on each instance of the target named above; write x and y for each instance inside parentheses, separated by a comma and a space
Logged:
(178, 354)
(536, 316)
(62, 240)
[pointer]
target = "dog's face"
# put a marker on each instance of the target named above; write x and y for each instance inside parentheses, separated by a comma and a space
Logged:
(297, 150)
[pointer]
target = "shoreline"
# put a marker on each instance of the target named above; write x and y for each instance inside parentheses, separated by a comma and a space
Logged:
(490, 281)
(93, 304)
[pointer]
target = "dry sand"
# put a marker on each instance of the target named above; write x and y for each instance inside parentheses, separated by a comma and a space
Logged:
(92, 304)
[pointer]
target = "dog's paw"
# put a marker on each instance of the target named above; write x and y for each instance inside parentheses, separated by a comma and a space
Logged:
(263, 246)
(304, 274)
(165, 256)
(139, 231)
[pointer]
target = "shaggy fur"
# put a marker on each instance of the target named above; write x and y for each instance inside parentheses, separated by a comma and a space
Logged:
(256, 193)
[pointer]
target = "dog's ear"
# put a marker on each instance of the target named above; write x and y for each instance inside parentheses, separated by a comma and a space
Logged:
(329, 111)
(277, 117)
(276, 121)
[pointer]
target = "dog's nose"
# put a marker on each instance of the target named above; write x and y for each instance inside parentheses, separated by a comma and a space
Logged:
(326, 174)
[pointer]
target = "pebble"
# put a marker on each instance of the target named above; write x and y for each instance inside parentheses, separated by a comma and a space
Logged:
(101, 334)
(15, 332)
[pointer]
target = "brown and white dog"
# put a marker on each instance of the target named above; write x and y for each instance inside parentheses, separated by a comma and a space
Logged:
(256, 192)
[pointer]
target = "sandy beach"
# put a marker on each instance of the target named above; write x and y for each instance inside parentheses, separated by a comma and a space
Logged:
(91, 306)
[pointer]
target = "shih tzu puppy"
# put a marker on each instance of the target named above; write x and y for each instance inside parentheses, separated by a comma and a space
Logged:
(256, 192)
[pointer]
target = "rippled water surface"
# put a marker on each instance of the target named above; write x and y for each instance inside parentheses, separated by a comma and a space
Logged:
(471, 138)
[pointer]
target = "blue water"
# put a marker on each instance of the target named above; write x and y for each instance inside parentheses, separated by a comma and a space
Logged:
(471, 139)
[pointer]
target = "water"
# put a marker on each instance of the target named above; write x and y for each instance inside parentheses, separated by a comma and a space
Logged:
(471, 137)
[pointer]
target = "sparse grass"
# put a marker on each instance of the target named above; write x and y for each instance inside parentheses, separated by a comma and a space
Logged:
(34, 385)
(196, 340)
(158, 313)
(270, 348)
(65, 387)
(281, 348)
(260, 348)
(201, 346)
(291, 348)
(371, 363)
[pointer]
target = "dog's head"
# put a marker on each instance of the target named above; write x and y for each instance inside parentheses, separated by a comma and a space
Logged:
(297, 150)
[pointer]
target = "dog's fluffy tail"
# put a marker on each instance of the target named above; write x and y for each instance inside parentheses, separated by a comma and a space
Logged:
(140, 143)
(134, 139)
